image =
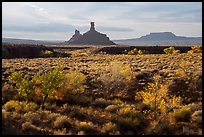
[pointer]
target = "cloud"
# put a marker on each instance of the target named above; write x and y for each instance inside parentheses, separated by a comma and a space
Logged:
(116, 29)
(39, 27)
(163, 12)
(117, 19)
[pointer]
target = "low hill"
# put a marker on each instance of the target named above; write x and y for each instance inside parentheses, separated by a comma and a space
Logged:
(28, 41)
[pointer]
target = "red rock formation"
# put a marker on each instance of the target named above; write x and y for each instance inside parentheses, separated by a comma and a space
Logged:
(75, 37)
(91, 37)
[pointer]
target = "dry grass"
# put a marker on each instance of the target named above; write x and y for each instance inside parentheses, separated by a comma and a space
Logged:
(96, 111)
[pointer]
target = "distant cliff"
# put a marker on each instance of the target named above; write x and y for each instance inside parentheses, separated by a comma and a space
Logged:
(161, 39)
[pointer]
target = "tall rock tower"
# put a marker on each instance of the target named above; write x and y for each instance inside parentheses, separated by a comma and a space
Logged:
(91, 37)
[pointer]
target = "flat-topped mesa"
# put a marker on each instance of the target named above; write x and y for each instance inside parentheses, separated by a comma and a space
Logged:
(90, 37)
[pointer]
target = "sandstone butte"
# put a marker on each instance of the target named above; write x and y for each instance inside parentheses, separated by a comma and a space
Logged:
(92, 37)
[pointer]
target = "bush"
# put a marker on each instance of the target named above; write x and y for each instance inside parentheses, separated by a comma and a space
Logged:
(39, 86)
(128, 112)
(182, 115)
(109, 128)
(62, 122)
(197, 117)
(140, 52)
(48, 82)
(20, 106)
(61, 132)
(195, 49)
(24, 85)
(101, 102)
(32, 117)
(47, 53)
(112, 108)
(134, 52)
(128, 124)
(4, 118)
(157, 97)
(118, 77)
(8, 93)
(171, 50)
(162, 128)
(73, 84)
(53, 116)
(86, 126)
(75, 54)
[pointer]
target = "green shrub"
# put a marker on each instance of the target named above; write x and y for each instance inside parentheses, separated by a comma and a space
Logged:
(49, 81)
(20, 107)
(40, 85)
(171, 50)
(24, 85)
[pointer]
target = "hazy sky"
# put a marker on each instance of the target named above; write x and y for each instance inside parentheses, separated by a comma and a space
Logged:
(119, 20)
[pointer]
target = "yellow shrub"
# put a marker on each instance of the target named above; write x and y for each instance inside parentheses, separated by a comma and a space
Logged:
(74, 83)
(140, 52)
(86, 126)
(195, 49)
(109, 127)
(183, 114)
(171, 50)
(135, 51)
(158, 99)
(127, 73)
(176, 51)
(78, 54)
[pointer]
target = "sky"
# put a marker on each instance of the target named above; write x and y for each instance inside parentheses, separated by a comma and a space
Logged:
(118, 20)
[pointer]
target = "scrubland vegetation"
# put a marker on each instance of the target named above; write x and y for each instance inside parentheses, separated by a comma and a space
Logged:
(92, 93)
